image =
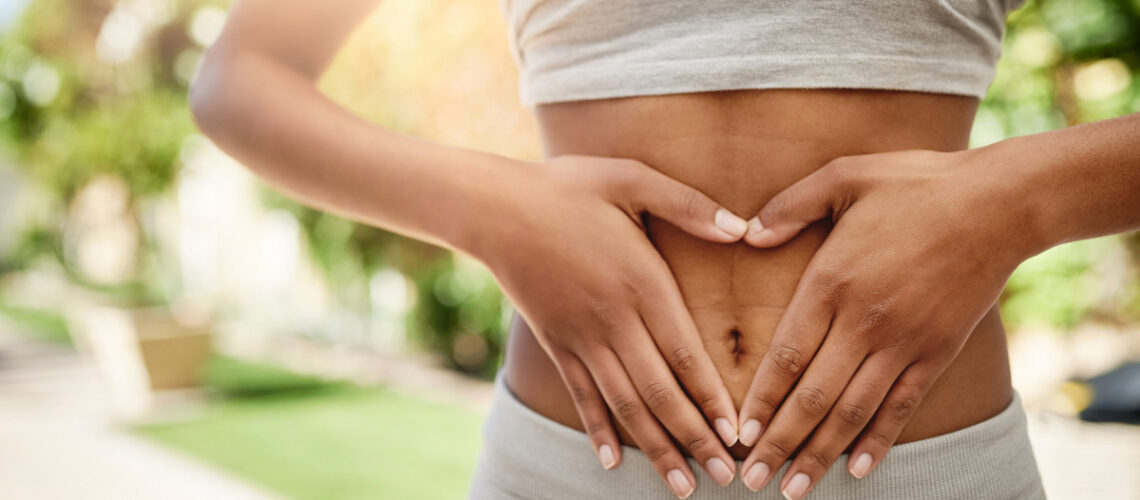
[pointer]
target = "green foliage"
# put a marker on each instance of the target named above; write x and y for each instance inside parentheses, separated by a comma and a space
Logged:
(124, 119)
(1064, 62)
(33, 243)
(349, 252)
(68, 117)
(461, 313)
(135, 138)
(1091, 30)
(1052, 288)
(1043, 80)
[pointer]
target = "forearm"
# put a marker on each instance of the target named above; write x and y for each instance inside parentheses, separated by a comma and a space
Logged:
(276, 122)
(920, 247)
(1078, 182)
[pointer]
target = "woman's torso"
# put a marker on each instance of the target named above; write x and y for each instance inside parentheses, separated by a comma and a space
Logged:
(741, 148)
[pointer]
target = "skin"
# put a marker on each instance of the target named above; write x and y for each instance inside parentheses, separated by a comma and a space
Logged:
(637, 297)
(874, 339)
(743, 148)
(605, 309)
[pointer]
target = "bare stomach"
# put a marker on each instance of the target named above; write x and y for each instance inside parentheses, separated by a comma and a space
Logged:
(741, 148)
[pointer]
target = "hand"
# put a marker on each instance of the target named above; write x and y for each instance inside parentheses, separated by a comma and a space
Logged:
(572, 253)
(922, 245)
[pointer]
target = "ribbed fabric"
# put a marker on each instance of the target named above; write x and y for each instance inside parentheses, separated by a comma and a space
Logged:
(528, 456)
(569, 50)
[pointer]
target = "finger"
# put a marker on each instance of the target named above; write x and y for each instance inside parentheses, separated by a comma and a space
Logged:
(675, 334)
(842, 426)
(669, 404)
(688, 209)
(591, 408)
(631, 412)
(895, 411)
(798, 335)
(810, 199)
(805, 407)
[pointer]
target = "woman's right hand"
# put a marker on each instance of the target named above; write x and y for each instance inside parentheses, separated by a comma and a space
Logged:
(568, 246)
(565, 242)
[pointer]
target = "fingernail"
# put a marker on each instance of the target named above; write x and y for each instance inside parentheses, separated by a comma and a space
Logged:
(750, 432)
(730, 223)
(755, 224)
(756, 476)
(719, 471)
(727, 433)
(862, 465)
(679, 483)
(797, 486)
(755, 230)
(606, 455)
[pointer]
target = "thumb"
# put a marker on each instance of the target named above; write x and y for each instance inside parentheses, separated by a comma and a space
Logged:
(791, 210)
(690, 210)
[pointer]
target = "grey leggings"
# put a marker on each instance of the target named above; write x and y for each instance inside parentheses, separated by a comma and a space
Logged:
(528, 456)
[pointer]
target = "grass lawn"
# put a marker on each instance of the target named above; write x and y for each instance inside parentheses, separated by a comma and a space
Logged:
(307, 438)
(44, 325)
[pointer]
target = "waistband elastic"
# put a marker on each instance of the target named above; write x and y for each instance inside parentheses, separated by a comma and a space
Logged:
(528, 456)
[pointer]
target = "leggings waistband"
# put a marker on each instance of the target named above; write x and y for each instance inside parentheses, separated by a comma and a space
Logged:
(528, 456)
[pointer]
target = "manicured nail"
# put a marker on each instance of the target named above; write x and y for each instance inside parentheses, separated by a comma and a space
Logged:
(750, 432)
(730, 223)
(862, 465)
(797, 487)
(727, 433)
(755, 226)
(679, 483)
(756, 230)
(606, 455)
(719, 471)
(756, 476)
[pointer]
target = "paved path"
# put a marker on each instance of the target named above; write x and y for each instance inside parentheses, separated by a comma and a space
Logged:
(1080, 460)
(57, 439)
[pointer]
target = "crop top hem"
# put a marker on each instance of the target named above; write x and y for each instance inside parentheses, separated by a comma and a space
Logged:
(575, 50)
(835, 72)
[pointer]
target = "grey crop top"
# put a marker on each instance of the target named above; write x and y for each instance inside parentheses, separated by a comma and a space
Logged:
(569, 50)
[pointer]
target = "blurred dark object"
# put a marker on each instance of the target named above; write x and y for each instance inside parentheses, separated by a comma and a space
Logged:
(1116, 396)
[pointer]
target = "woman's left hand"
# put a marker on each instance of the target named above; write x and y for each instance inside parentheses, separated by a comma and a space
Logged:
(922, 245)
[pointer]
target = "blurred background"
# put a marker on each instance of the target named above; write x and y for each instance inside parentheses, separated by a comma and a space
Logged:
(169, 327)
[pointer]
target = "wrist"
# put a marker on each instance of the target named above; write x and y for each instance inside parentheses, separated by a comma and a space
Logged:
(491, 211)
(1019, 196)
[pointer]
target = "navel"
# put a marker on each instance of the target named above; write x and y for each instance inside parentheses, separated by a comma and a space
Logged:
(736, 344)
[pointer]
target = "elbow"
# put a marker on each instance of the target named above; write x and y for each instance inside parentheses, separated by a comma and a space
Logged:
(216, 92)
(207, 99)
(202, 106)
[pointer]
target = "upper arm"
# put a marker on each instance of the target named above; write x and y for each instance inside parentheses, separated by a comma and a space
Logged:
(303, 35)
(261, 37)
